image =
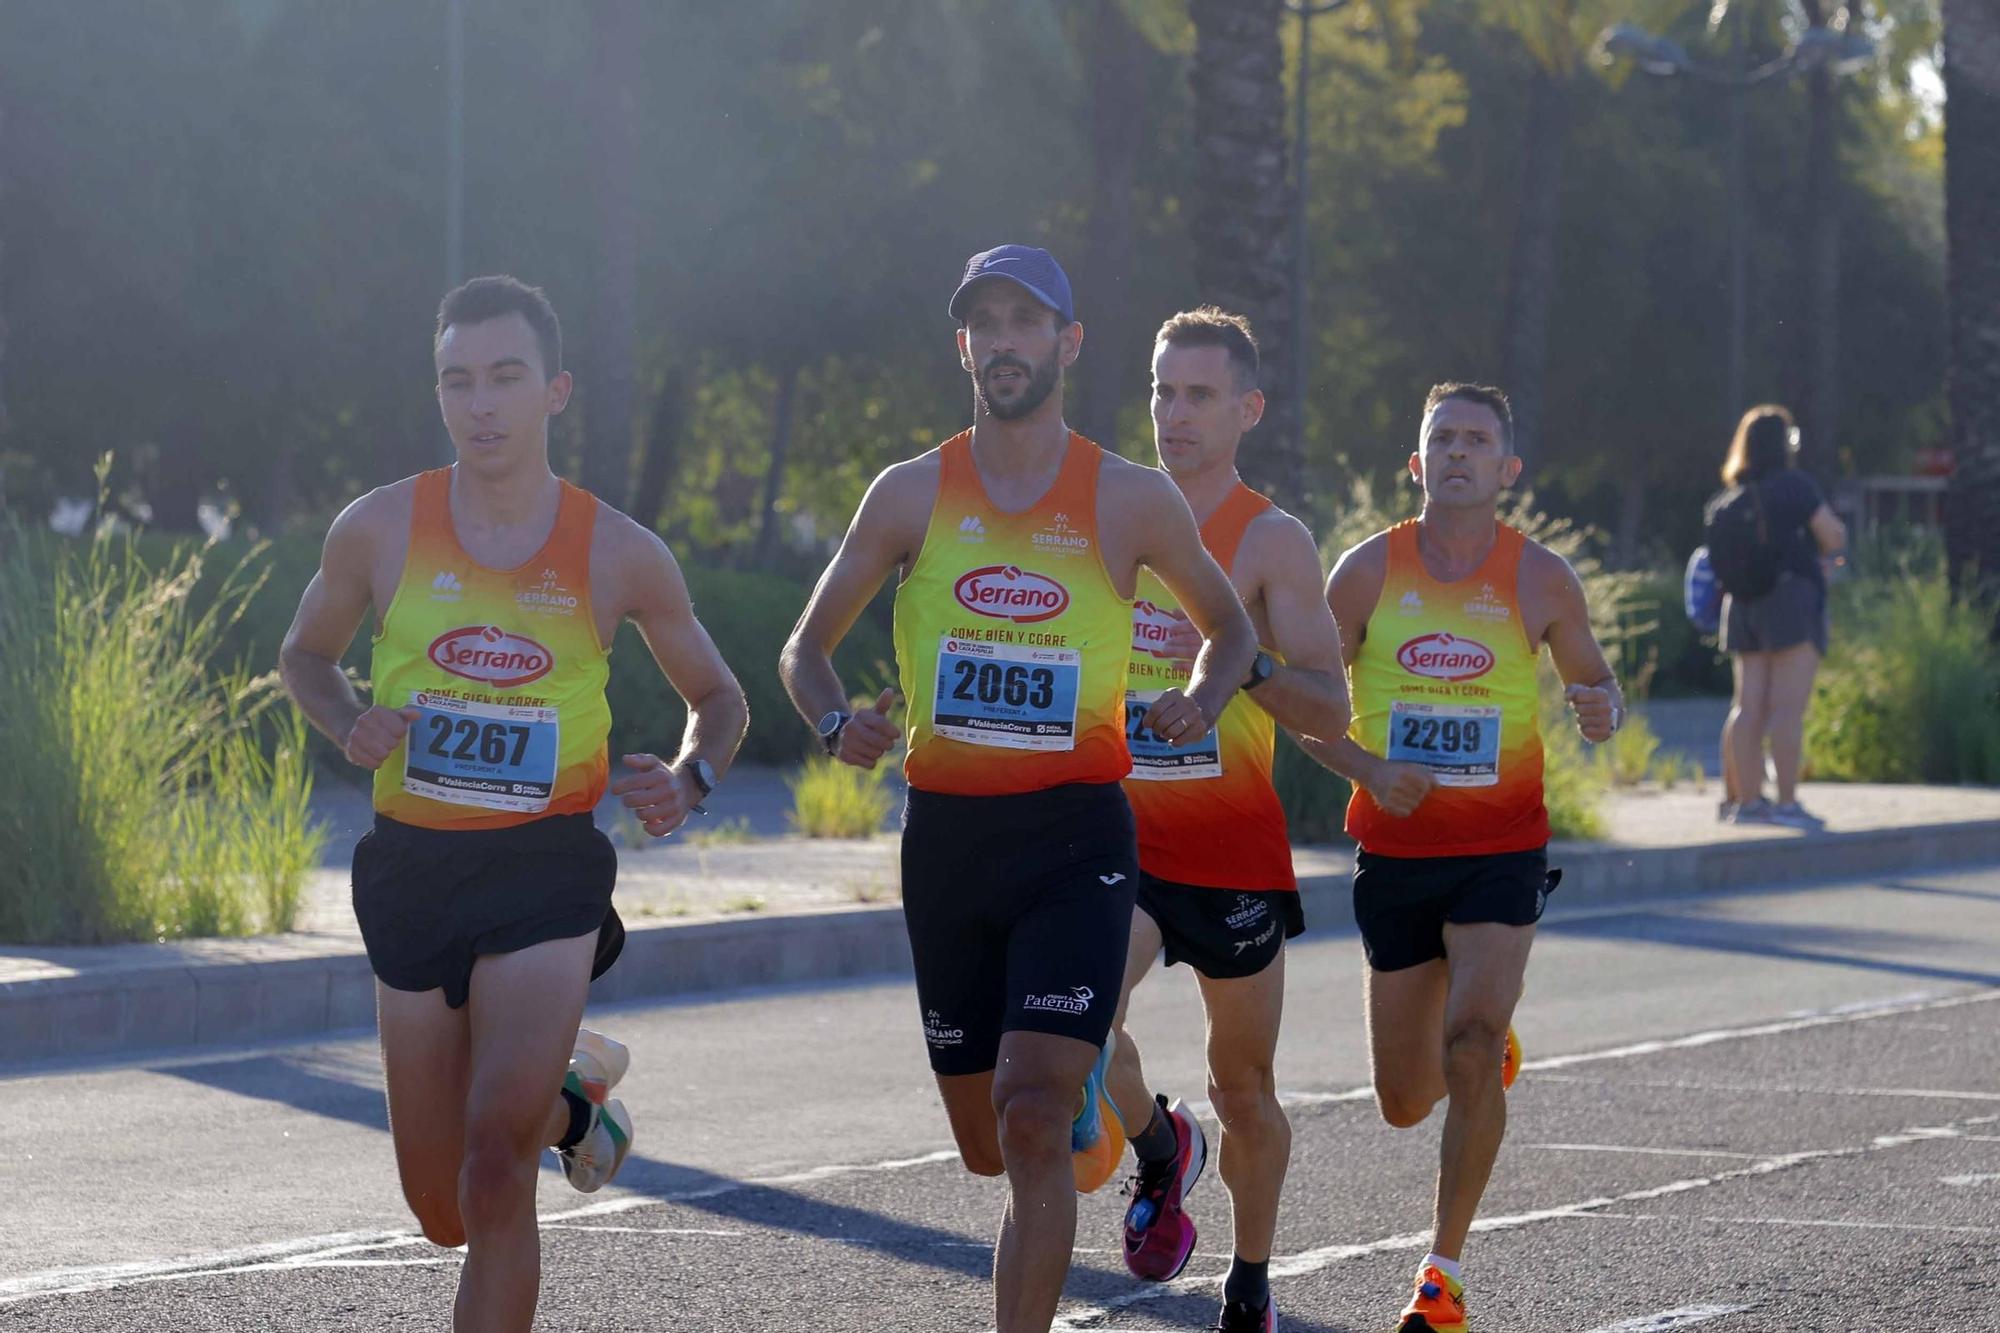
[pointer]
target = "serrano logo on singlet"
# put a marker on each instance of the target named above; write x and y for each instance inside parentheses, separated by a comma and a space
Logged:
(491, 655)
(1445, 657)
(1009, 592)
(1152, 626)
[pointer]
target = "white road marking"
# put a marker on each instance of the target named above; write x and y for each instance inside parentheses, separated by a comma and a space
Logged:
(1680, 1318)
(642, 1231)
(305, 1251)
(311, 1251)
(1311, 1261)
(1983, 1178)
(1783, 1089)
(1822, 1222)
(1645, 1152)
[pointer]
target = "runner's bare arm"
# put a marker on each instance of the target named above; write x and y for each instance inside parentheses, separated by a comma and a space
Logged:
(1170, 545)
(645, 586)
(885, 535)
(1352, 591)
(334, 605)
(1307, 693)
(655, 599)
(1590, 686)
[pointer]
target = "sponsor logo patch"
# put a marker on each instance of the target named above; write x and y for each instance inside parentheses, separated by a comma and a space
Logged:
(1445, 657)
(1152, 626)
(1076, 1002)
(1008, 592)
(491, 656)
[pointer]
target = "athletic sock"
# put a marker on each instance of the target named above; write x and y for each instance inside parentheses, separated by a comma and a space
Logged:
(1247, 1284)
(1157, 1142)
(1449, 1267)
(579, 1121)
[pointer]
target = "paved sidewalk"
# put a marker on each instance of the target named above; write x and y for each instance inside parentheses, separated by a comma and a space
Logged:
(710, 914)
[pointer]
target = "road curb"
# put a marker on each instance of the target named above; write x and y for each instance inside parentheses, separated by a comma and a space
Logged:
(135, 1003)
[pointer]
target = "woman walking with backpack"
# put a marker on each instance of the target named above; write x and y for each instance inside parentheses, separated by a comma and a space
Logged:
(1771, 538)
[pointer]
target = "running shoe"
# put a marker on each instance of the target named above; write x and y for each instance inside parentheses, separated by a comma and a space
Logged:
(1725, 810)
(1793, 815)
(1510, 1063)
(595, 1158)
(595, 1066)
(1096, 1137)
(1437, 1307)
(1247, 1318)
(1752, 812)
(1159, 1236)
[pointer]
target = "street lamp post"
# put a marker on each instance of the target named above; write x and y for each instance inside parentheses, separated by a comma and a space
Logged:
(1841, 52)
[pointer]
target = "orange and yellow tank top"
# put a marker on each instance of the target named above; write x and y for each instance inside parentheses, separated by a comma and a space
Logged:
(1207, 814)
(1011, 641)
(1446, 678)
(505, 670)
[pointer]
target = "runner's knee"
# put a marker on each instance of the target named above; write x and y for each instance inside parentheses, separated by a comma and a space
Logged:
(1246, 1100)
(1035, 1121)
(494, 1180)
(1402, 1110)
(1473, 1050)
(436, 1211)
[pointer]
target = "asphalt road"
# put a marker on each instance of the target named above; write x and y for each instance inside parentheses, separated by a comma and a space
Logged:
(1764, 1111)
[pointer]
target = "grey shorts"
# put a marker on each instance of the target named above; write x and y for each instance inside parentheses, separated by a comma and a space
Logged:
(1792, 613)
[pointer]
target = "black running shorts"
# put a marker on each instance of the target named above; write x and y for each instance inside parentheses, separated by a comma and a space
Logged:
(431, 901)
(1019, 909)
(1221, 933)
(1402, 903)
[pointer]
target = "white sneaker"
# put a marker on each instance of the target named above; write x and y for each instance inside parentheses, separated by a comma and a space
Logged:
(595, 1066)
(595, 1158)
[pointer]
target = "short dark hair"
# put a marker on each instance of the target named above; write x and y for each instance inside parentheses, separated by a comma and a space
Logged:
(1212, 326)
(1483, 394)
(498, 295)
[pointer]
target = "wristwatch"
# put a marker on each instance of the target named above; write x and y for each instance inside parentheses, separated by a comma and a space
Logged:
(1261, 667)
(830, 728)
(704, 781)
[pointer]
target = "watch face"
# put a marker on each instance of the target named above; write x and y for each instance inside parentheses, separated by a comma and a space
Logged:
(829, 724)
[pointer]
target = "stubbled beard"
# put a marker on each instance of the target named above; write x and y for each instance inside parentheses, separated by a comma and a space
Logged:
(1042, 381)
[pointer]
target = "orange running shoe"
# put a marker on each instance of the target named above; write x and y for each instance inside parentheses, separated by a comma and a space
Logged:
(1096, 1136)
(1437, 1307)
(1510, 1063)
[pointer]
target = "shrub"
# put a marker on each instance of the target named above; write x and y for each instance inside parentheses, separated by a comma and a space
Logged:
(147, 794)
(835, 800)
(1911, 692)
(1628, 757)
(1573, 781)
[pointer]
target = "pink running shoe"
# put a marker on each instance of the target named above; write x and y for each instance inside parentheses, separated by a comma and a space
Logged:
(1159, 1236)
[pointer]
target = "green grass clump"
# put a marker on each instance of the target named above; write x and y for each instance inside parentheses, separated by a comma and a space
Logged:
(835, 800)
(1911, 690)
(147, 794)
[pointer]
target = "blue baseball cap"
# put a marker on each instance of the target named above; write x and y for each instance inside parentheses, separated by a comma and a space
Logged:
(1033, 270)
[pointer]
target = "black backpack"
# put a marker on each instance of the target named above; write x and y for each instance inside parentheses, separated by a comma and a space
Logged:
(1746, 560)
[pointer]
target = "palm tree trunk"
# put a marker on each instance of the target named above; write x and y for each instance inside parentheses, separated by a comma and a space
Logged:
(1531, 269)
(1972, 221)
(1118, 120)
(608, 391)
(1822, 233)
(662, 455)
(1243, 210)
(782, 411)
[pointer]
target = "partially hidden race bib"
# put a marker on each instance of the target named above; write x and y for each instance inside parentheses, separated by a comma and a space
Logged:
(1458, 743)
(498, 756)
(1007, 696)
(1153, 760)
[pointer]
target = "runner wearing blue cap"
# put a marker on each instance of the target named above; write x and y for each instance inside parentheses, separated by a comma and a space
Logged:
(1017, 546)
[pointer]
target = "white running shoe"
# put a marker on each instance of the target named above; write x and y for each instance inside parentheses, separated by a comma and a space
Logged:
(595, 1066)
(595, 1158)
